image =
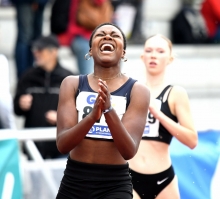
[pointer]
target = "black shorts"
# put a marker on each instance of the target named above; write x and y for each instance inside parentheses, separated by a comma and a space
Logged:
(148, 186)
(95, 181)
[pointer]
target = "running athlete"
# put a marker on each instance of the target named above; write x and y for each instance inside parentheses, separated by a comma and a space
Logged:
(101, 119)
(169, 115)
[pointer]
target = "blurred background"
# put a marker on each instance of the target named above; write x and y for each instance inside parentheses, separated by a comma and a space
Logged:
(196, 67)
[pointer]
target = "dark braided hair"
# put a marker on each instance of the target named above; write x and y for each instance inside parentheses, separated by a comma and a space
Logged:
(111, 24)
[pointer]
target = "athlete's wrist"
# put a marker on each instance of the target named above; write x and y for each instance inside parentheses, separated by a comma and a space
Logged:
(108, 109)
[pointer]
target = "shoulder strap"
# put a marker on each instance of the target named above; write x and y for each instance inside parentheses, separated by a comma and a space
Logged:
(131, 83)
(81, 78)
(160, 97)
(169, 91)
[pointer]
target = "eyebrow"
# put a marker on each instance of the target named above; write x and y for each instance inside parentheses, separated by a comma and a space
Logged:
(157, 48)
(110, 33)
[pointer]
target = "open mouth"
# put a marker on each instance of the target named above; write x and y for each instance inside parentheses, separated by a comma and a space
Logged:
(107, 48)
(153, 63)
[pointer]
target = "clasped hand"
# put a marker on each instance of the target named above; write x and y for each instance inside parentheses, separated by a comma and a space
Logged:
(102, 101)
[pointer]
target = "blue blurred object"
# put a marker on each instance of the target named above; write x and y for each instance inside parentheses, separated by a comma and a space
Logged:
(10, 177)
(196, 168)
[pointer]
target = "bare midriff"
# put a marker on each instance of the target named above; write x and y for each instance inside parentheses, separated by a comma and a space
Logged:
(152, 157)
(97, 152)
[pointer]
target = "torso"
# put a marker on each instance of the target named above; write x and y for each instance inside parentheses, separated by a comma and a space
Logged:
(153, 153)
(97, 151)
(99, 146)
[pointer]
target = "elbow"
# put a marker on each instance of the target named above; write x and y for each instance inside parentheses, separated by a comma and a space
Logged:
(129, 154)
(131, 151)
(128, 157)
(61, 148)
(194, 142)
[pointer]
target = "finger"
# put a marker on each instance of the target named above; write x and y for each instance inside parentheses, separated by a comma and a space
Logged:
(98, 101)
(103, 83)
(103, 95)
(103, 87)
(101, 99)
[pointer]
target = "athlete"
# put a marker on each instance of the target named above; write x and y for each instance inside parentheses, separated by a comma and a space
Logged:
(169, 115)
(101, 119)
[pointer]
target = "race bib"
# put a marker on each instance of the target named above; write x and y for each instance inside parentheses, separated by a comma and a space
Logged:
(84, 104)
(152, 125)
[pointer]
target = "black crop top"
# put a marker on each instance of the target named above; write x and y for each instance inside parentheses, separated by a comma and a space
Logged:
(154, 130)
(85, 99)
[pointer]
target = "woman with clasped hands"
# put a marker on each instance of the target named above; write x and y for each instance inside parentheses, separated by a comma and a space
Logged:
(101, 119)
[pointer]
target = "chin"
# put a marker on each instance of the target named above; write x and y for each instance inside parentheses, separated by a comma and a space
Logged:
(38, 63)
(107, 60)
(152, 71)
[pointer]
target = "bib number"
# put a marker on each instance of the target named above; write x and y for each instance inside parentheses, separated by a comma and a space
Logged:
(84, 104)
(152, 125)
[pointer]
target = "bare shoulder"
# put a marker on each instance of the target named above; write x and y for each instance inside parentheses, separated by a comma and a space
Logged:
(178, 96)
(178, 92)
(140, 90)
(69, 86)
(70, 81)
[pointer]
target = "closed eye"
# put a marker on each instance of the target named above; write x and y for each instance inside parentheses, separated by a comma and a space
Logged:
(115, 36)
(100, 35)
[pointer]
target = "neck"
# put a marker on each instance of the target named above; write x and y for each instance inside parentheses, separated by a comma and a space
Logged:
(154, 82)
(107, 78)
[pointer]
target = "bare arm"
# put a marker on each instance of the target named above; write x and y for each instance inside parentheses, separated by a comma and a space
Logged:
(69, 132)
(184, 131)
(126, 133)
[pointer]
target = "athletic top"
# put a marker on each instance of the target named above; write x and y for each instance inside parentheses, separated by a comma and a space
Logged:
(154, 130)
(85, 99)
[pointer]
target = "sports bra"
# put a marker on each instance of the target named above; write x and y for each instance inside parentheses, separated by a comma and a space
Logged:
(85, 99)
(154, 130)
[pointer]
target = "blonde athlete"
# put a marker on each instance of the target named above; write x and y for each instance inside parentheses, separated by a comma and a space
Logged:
(151, 168)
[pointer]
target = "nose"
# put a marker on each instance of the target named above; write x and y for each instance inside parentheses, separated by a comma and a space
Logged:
(153, 54)
(108, 37)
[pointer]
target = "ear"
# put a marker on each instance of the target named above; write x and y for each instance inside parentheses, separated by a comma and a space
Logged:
(142, 57)
(171, 59)
(123, 53)
(90, 52)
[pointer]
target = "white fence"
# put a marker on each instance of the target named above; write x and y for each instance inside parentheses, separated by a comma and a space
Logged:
(40, 177)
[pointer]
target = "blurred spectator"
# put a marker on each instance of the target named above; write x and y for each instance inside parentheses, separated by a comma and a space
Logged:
(72, 34)
(29, 25)
(37, 91)
(188, 25)
(211, 13)
(6, 104)
(135, 35)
